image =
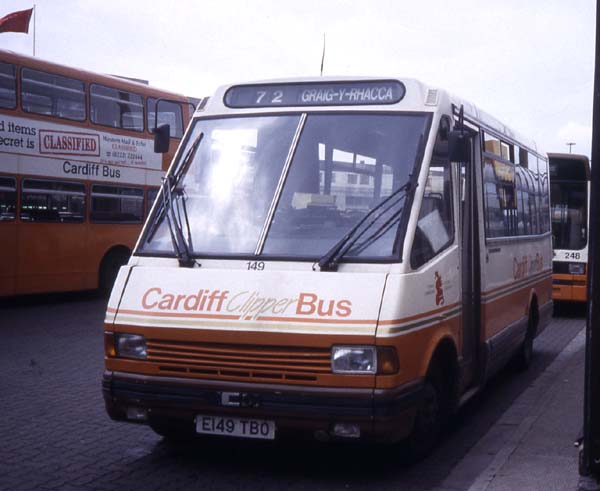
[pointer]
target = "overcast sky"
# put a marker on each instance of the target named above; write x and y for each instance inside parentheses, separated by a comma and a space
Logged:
(527, 62)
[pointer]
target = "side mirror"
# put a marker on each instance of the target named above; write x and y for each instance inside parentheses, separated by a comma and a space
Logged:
(459, 146)
(162, 136)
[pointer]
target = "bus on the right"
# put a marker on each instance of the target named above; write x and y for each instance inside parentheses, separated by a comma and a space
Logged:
(569, 192)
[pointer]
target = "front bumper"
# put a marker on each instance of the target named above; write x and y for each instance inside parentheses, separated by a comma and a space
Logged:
(382, 415)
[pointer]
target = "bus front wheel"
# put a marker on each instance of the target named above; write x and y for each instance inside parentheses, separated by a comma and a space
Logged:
(428, 419)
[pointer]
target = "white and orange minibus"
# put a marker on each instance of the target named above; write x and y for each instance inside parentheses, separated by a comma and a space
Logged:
(334, 258)
(569, 192)
(78, 172)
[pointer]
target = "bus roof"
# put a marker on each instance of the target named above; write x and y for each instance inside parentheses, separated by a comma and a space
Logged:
(86, 75)
(417, 96)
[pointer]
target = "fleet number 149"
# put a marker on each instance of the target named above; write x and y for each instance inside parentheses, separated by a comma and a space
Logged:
(255, 265)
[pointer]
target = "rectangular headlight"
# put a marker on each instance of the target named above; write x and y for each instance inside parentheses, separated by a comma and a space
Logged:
(576, 268)
(131, 346)
(353, 359)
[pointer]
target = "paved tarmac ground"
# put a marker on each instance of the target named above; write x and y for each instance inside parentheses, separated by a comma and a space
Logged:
(56, 435)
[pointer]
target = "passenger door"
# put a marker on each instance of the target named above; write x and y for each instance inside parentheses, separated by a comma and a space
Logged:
(470, 262)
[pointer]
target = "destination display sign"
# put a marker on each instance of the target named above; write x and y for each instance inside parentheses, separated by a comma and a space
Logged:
(315, 94)
(568, 169)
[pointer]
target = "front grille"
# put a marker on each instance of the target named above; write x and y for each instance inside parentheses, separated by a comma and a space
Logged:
(266, 363)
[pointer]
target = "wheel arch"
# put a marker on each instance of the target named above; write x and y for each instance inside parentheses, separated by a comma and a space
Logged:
(445, 352)
(444, 357)
(119, 253)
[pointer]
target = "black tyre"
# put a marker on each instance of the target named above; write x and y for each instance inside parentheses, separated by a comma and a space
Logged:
(524, 356)
(429, 420)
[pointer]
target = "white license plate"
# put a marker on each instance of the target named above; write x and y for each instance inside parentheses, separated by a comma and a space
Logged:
(240, 427)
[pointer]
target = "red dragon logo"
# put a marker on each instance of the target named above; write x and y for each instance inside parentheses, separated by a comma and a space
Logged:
(439, 290)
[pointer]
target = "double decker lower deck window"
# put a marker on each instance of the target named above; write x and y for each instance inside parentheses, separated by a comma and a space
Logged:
(151, 195)
(8, 198)
(116, 204)
(52, 201)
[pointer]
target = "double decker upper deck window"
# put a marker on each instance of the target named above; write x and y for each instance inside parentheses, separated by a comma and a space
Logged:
(52, 95)
(168, 113)
(116, 108)
(8, 86)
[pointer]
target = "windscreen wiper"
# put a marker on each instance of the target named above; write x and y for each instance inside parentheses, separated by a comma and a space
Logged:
(177, 216)
(329, 261)
(189, 156)
(376, 235)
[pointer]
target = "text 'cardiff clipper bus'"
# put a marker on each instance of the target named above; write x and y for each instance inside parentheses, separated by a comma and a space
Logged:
(334, 258)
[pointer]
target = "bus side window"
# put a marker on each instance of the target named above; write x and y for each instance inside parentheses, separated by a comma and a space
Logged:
(52, 201)
(52, 95)
(168, 113)
(8, 86)
(435, 228)
(542, 166)
(8, 198)
(116, 108)
(116, 204)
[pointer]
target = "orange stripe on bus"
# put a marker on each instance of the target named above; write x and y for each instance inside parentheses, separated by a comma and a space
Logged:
(317, 321)
(419, 316)
(179, 314)
(541, 276)
(237, 317)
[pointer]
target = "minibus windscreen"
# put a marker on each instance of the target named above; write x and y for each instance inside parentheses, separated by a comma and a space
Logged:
(345, 164)
(569, 214)
(243, 196)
